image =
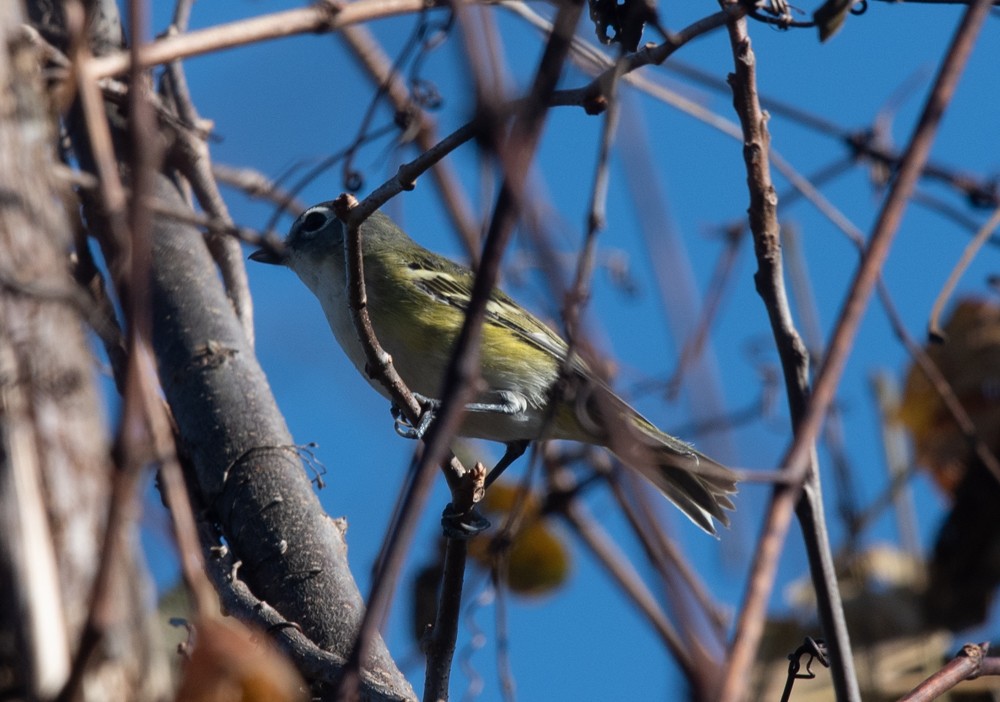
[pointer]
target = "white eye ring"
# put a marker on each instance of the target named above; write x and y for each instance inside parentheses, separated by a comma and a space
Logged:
(309, 221)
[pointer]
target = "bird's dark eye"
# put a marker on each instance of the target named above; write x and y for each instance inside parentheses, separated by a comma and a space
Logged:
(313, 221)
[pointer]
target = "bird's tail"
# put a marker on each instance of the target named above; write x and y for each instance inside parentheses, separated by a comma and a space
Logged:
(700, 487)
(697, 485)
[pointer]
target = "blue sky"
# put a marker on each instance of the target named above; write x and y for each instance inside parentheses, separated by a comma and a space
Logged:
(277, 104)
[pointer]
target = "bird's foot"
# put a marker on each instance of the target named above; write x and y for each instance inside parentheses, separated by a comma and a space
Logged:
(403, 426)
(463, 525)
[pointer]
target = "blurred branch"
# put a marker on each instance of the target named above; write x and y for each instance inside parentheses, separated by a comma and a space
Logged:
(718, 287)
(578, 294)
(131, 276)
(374, 60)
(691, 659)
(665, 556)
(88, 185)
(679, 294)
(324, 16)
(257, 185)
(67, 573)
(950, 212)
(595, 61)
(805, 302)
(898, 461)
(933, 2)
(860, 143)
(593, 97)
(971, 249)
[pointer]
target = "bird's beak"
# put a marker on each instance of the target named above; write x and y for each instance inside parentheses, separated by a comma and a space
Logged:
(269, 256)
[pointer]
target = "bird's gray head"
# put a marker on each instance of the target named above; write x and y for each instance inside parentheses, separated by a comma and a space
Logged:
(315, 235)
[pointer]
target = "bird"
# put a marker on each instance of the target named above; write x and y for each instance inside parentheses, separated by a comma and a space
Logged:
(417, 301)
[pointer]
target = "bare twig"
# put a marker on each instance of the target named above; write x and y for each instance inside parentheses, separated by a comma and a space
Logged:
(257, 185)
(805, 302)
(795, 364)
(406, 175)
(593, 97)
(440, 647)
(980, 192)
(970, 663)
(579, 292)
(718, 286)
(417, 487)
(110, 188)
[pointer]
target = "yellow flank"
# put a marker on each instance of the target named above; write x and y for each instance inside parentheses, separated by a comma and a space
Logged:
(509, 354)
(506, 359)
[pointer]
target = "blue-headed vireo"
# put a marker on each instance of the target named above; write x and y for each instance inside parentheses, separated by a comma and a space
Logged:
(417, 301)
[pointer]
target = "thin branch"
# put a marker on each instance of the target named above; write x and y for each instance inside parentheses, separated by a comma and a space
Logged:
(969, 664)
(129, 449)
(884, 230)
(971, 249)
(579, 291)
(718, 287)
(797, 459)
(593, 97)
(407, 174)
(805, 302)
(110, 188)
(440, 648)
(417, 488)
(980, 192)
(769, 280)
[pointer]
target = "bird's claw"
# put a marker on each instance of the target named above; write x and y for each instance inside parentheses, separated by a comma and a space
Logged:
(463, 525)
(406, 429)
(402, 425)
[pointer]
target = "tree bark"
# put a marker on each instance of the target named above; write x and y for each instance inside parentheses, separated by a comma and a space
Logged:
(245, 474)
(55, 467)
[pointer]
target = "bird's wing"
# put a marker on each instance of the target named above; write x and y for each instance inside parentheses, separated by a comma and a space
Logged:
(448, 282)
